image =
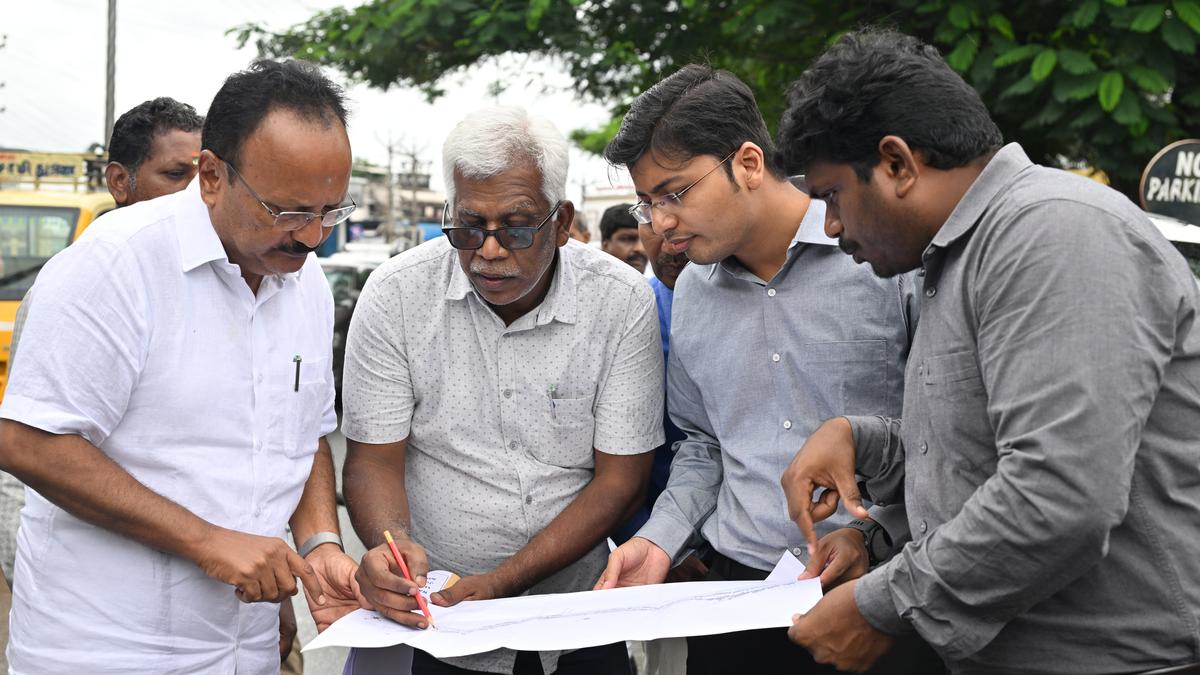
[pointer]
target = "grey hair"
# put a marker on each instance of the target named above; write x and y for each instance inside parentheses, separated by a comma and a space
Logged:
(491, 140)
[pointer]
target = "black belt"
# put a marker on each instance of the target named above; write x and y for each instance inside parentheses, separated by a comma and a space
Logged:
(727, 569)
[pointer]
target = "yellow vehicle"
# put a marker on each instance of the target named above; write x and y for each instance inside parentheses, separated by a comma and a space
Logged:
(34, 225)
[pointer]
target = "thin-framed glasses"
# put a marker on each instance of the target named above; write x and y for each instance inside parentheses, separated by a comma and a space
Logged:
(511, 238)
(290, 221)
(641, 211)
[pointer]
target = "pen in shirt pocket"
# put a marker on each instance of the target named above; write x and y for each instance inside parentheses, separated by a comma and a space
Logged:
(296, 359)
(553, 404)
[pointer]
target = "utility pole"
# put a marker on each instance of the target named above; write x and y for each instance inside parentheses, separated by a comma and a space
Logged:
(3, 44)
(111, 73)
(415, 210)
(389, 221)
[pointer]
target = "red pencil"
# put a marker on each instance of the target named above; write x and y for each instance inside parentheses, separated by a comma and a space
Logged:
(404, 568)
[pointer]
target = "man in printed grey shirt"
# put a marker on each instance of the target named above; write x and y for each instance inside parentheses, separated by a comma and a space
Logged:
(1050, 450)
(773, 331)
(503, 394)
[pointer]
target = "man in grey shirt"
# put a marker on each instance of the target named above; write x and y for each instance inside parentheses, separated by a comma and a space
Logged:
(773, 331)
(1050, 450)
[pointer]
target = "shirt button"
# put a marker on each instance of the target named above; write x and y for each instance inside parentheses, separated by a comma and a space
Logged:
(508, 393)
(920, 370)
(924, 447)
(924, 526)
(775, 358)
(921, 272)
(528, 499)
(930, 292)
(797, 551)
(512, 445)
(258, 378)
(787, 424)
(770, 292)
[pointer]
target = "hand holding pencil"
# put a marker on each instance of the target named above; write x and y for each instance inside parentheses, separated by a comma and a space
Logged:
(382, 580)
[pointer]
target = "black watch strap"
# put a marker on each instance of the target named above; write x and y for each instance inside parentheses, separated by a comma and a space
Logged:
(876, 538)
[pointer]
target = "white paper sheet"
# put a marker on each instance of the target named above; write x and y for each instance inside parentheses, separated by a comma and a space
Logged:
(590, 618)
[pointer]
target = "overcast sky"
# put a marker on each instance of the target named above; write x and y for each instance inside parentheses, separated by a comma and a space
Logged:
(53, 70)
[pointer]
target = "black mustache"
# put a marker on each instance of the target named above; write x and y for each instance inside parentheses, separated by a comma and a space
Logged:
(847, 247)
(296, 248)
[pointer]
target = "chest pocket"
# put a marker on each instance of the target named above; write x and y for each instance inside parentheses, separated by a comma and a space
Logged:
(301, 402)
(957, 414)
(846, 378)
(567, 429)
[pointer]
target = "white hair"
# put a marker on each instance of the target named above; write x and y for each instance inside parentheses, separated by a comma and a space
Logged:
(489, 141)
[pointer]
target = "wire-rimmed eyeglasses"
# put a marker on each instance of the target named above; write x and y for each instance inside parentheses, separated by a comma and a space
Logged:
(290, 221)
(641, 211)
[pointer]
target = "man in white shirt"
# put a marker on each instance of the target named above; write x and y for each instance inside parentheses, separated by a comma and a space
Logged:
(169, 403)
(503, 391)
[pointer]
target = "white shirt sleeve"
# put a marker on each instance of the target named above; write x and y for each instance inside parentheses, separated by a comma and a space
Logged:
(83, 344)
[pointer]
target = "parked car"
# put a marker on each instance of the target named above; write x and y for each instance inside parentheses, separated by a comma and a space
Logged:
(346, 274)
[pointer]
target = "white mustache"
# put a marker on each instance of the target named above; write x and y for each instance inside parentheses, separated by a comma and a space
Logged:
(479, 268)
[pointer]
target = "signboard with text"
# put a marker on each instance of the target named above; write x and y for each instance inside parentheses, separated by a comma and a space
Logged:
(38, 168)
(1171, 182)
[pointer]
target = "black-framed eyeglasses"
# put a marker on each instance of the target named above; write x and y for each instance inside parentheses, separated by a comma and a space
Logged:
(511, 238)
(290, 221)
(641, 211)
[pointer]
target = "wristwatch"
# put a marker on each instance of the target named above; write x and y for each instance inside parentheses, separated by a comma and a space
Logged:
(877, 539)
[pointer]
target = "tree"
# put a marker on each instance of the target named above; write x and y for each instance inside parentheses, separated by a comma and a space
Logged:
(1100, 82)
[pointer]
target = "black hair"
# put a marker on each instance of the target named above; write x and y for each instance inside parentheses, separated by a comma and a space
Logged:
(616, 218)
(133, 133)
(249, 95)
(873, 83)
(696, 111)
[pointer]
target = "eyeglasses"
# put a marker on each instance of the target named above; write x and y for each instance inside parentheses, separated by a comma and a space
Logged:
(290, 221)
(641, 211)
(511, 238)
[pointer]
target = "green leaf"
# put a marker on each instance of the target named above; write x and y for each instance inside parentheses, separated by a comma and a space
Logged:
(1178, 36)
(1002, 26)
(1076, 62)
(1189, 12)
(960, 16)
(1127, 111)
(1017, 55)
(1086, 14)
(356, 33)
(1087, 118)
(1043, 65)
(947, 33)
(1148, 18)
(1109, 92)
(1148, 79)
(1076, 87)
(961, 58)
(1019, 88)
(1116, 3)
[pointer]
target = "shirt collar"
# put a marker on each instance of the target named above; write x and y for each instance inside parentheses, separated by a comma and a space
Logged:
(559, 303)
(812, 227)
(999, 172)
(810, 231)
(198, 240)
